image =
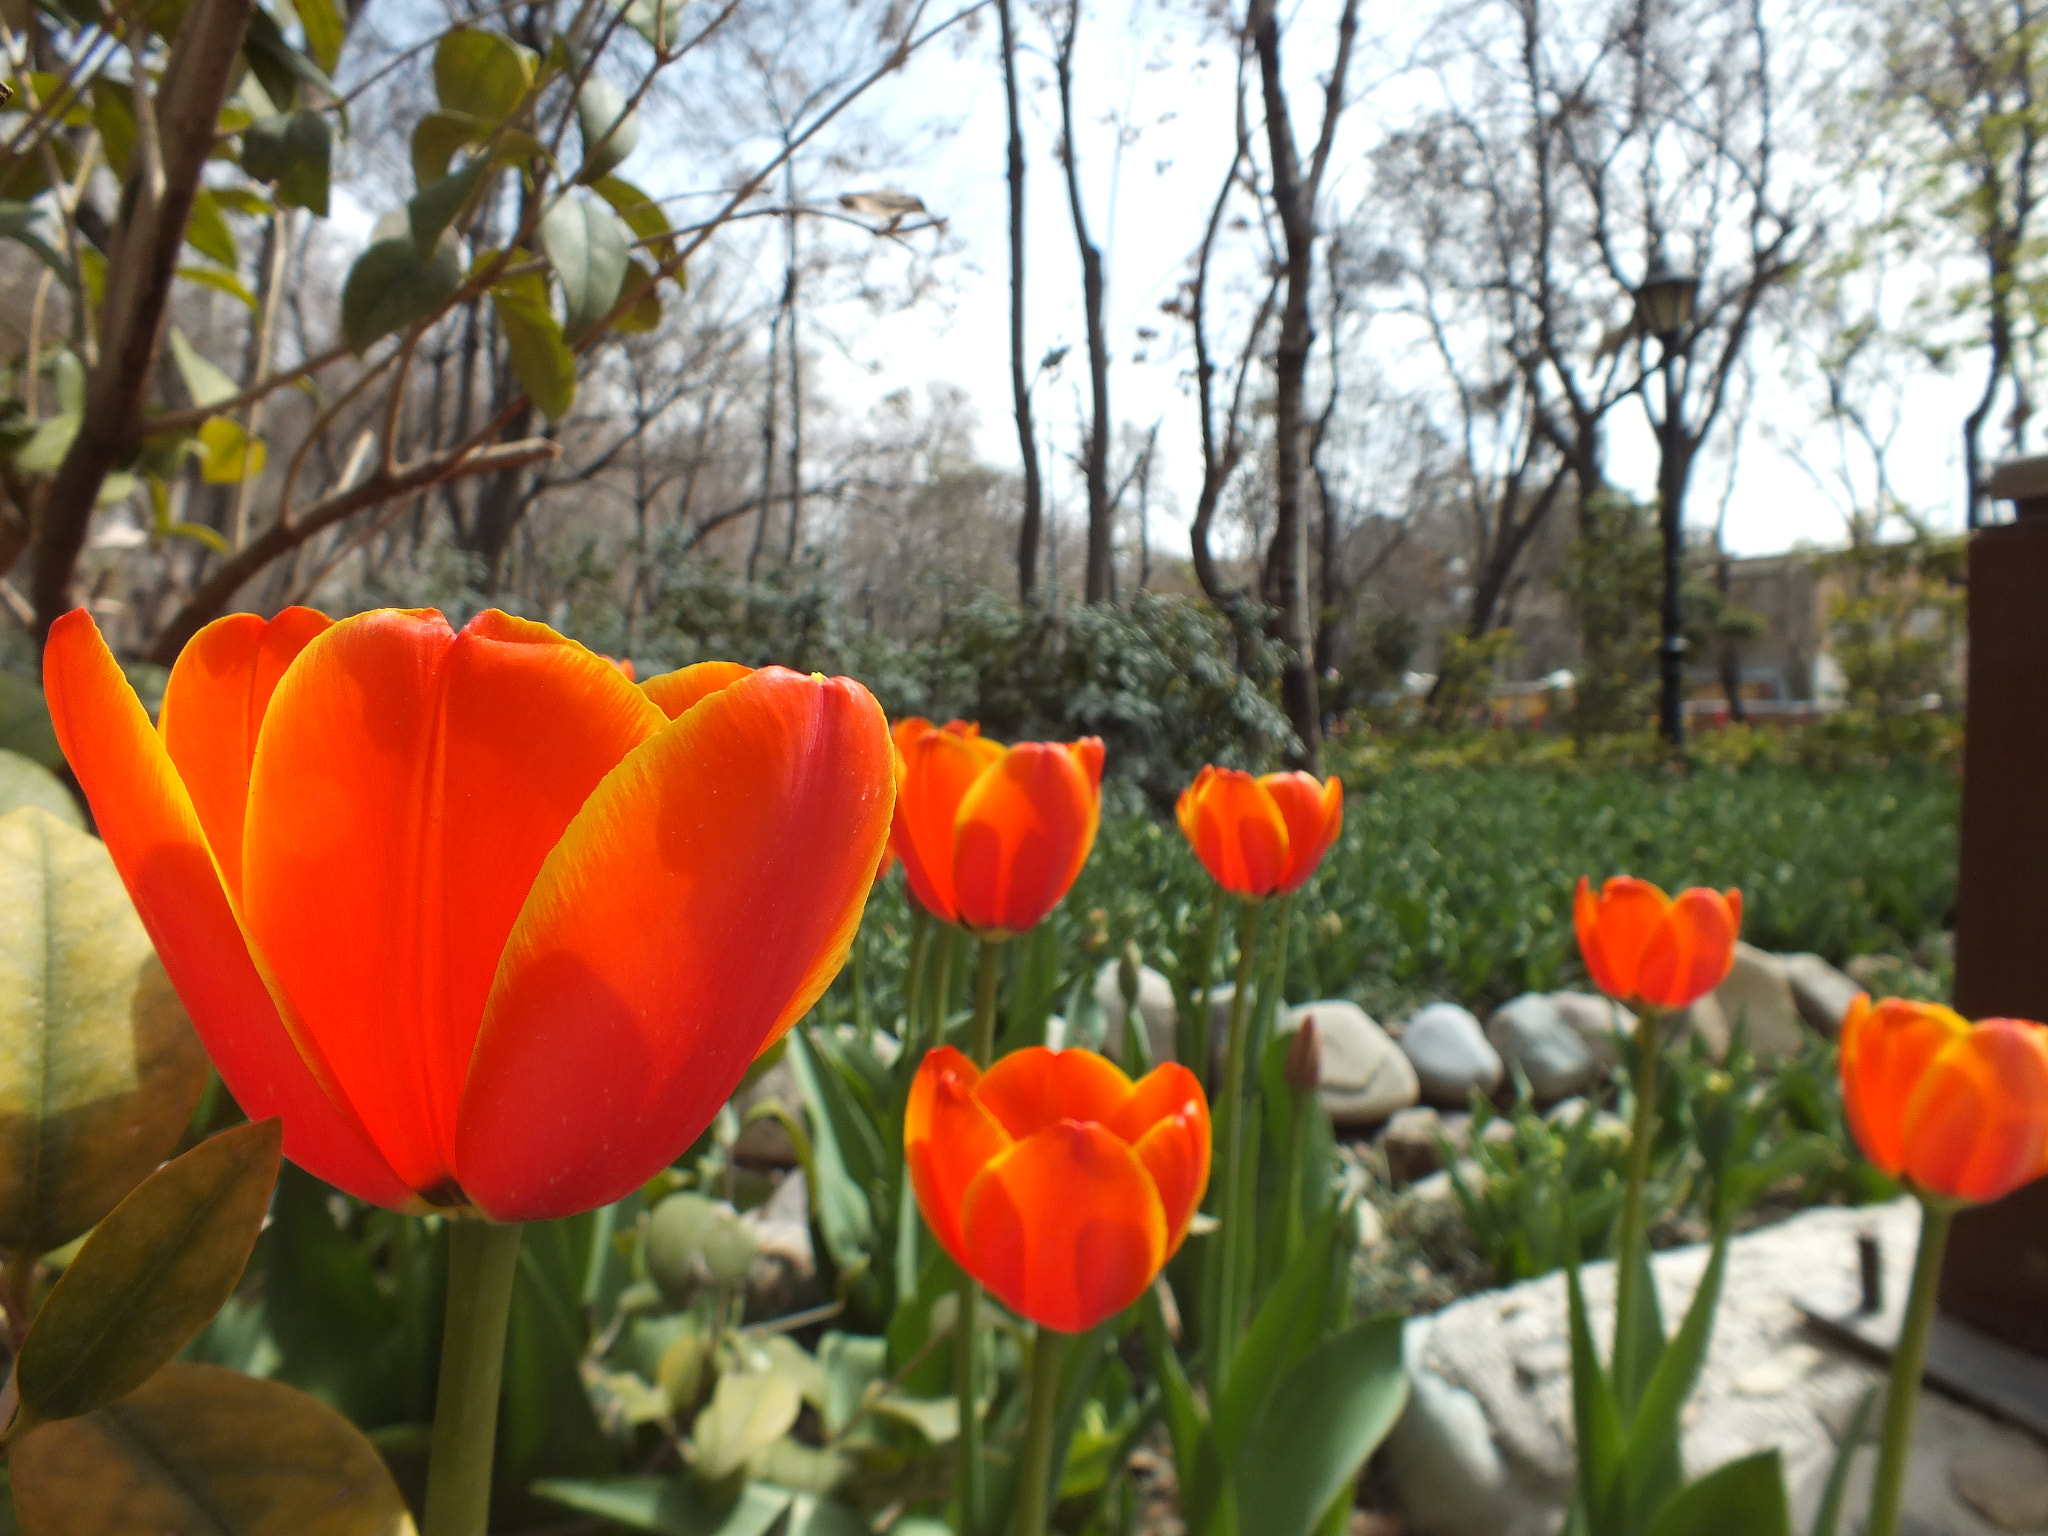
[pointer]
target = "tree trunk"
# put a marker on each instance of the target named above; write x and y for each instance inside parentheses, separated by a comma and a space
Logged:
(1100, 583)
(1020, 387)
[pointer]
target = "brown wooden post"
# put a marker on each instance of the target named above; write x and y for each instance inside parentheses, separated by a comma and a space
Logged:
(1996, 1276)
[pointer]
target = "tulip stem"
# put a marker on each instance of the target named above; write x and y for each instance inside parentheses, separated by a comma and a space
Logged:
(913, 984)
(1195, 1028)
(987, 969)
(1222, 1270)
(967, 1372)
(939, 999)
(483, 1257)
(1909, 1358)
(1629, 1229)
(1035, 1469)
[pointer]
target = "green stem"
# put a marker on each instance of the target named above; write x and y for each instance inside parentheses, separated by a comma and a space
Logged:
(1629, 1232)
(1197, 1058)
(1035, 1469)
(913, 983)
(482, 1260)
(940, 1000)
(986, 970)
(1295, 1232)
(1908, 1360)
(862, 1024)
(1231, 1115)
(973, 1472)
(1272, 986)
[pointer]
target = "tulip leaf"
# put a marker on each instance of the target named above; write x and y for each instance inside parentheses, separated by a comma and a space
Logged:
(1746, 1496)
(1325, 1417)
(1285, 1326)
(24, 781)
(853, 1364)
(747, 1413)
(99, 1067)
(546, 1426)
(199, 1448)
(669, 1506)
(1651, 1461)
(1596, 1416)
(842, 1136)
(150, 1276)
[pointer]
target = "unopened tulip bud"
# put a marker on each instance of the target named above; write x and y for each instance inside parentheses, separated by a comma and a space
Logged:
(1305, 1058)
(1127, 975)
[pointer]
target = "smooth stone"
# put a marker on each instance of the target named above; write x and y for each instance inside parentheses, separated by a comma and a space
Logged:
(1451, 1055)
(1531, 1032)
(2004, 1477)
(1155, 1006)
(1821, 993)
(1364, 1077)
(1220, 999)
(1413, 1144)
(1372, 1229)
(1705, 1021)
(1607, 1028)
(1757, 998)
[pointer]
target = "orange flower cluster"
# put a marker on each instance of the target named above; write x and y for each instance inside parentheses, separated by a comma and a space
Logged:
(485, 923)
(1053, 1179)
(1957, 1109)
(991, 837)
(1656, 950)
(1260, 837)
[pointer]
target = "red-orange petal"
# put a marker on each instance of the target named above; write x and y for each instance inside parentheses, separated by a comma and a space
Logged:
(1976, 1127)
(1166, 1121)
(1314, 814)
(1690, 951)
(1614, 929)
(948, 1138)
(154, 835)
(1239, 833)
(213, 708)
(1065, 1228)
(1021, 835)
(676, 691)
(1886, 1050)
(1030, 1089)
(938, 769)
(699, 903)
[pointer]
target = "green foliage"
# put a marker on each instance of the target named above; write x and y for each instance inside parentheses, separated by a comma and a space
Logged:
(1614, 577)
(1897, 625)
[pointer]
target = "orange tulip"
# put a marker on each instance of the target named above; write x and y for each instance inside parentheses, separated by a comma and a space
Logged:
(486, 924)
(1053, 1179)
(1959, 1109)
(1260, 837)
(1661, 951)
(991, 837)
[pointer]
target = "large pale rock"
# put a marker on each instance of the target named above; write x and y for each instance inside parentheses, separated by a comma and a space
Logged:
(1607, 1028)
(1757, 996)
(1220, 1000)
(1531, 1032)
(1451, 1055)
(1155, 1006)
(1820, 992)
(1364, 1077)
(1705, 1021)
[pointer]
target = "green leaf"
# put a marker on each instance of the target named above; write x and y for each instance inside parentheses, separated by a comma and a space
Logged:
(326, 30)
(1284, 1326)
(541, 359)
(113, 114)
(99, 1067)
(25, 722)
(48, 444)
(228, 455)
(645, 312)
(610, 132)
(1827, 1518)
(1746, 1496)
(840, 1131)
(747, 1413)
(643, 215)
(150, 1276)
(334, 1327)
(279, 67)
(484, 74)
(437, 137)
(586, 244)
(693, 1241)
(212, 277)
(936, 1418)
(294, 150)
(67, 376)
(659, 21)
(199, 1448)
(668, 1505)
(24, 781)
(1596, 1417)
(390, 288)
(434, 207)
(207, 230)
(204, 380)
(18, 222)
(811, 1515)
(1325, 1418)
(853, 1364)
(1652, 1457)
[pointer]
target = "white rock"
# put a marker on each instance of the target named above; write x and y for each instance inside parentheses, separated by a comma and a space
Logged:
(1364, 1077)
(1607, 1028)
(2004, 1477)
(1155, 1007)
(1451, 1055)
(1821, 993)
(1531, 1032)
(1757, 996)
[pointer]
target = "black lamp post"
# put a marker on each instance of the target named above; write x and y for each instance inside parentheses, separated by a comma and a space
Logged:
(1664, 308)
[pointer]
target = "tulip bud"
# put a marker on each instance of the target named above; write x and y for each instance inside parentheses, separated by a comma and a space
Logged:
(1127, 975)
(1305, 1058)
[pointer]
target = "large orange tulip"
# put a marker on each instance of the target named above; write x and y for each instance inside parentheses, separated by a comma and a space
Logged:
(1260, 837)
(1053, 1179)
(485, 923)
(1959, 1109)
(1660, 951)
(991, 837)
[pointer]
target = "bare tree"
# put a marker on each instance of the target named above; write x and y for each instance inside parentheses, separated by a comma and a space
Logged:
(1028, 528)
(1100, 583)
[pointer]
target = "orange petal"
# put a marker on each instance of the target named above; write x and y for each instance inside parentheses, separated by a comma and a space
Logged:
(939, 767)
(1021, 835)
(1690, 951)
(1314, 814)
(1977, 1125)
(1885, 1052)
(1166, 1121)
(1030, 1089)
(1065, 1228)
(154, 835)
(1614, 929)
(698, 904)
(213, 707)
(676, 691)
(948, 1138)
(1239, 834)
(408, 783)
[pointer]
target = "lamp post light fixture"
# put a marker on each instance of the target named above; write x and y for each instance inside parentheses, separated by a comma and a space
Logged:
(1664, 309)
